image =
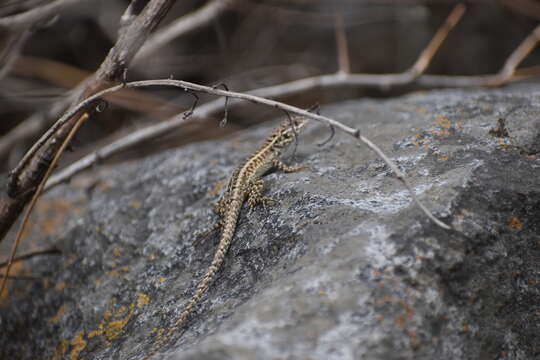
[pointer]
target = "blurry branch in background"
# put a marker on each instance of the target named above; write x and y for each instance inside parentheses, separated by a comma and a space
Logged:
(34, 16)
(183, 25)
(68, 76)
(529, 8)
(18, 28)
(13, 43)
(342, 46)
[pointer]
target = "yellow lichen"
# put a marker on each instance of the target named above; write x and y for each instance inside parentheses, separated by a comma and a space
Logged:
(115, 272)
(114, 328)
(60, 349)
(142, 300)
(136, 204)
(60, 286)
(78, 344)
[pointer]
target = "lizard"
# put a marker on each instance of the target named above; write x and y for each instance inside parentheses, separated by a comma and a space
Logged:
(246, 183)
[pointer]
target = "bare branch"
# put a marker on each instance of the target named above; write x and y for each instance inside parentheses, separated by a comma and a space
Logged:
(48, 251)
(341, 44)
(9, 54)
(427, 54)
(31, 17)
(518, 55)
(183, 25)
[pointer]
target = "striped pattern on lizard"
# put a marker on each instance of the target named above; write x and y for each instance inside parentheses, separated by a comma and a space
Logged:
(245, 184)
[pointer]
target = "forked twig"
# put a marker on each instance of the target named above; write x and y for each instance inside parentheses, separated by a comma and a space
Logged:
(36, 195)
(431, 49)
(341, 45)
(29, 255)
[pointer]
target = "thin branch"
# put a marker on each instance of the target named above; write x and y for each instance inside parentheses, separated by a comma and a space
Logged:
(255, 99)
(427, 54)
(342, 46)
(186, 24)
(12, 49)
(50, 251)
(36, 195)
(31, 17)
(401, 176)
(519, 54)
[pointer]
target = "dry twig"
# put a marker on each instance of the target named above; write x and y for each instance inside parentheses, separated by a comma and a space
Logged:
(36, 15)
(36, 195)
(184, 25)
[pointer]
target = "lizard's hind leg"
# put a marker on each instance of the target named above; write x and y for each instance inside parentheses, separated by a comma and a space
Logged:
(255, 194)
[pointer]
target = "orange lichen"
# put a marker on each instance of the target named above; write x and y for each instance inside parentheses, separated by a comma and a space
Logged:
(217, 187)
(56, 318)
(55, 213)
(443, 126)
(515, 224)
(70, 259)
(117, 271)
(60, 349)
(78, 343)
(61, 285)
(136, 204)
(442, 157)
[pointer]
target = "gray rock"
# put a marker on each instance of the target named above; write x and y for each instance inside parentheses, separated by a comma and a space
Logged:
(344, 267)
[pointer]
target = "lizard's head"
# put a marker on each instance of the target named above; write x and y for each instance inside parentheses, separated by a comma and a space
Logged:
(288, 131)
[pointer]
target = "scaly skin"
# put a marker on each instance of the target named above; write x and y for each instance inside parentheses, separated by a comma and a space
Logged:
(245, 183)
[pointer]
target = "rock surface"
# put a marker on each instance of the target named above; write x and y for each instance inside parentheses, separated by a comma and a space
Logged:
(344, 267)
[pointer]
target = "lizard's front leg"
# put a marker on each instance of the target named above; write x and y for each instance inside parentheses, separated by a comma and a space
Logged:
(286, 168)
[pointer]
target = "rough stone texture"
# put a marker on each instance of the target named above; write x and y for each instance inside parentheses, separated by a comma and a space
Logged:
(344, 267)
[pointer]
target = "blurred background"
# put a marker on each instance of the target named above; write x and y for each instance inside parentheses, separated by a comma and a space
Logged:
(249, 45)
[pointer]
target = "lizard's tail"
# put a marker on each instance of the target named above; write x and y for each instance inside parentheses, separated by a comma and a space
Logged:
(219, 256)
